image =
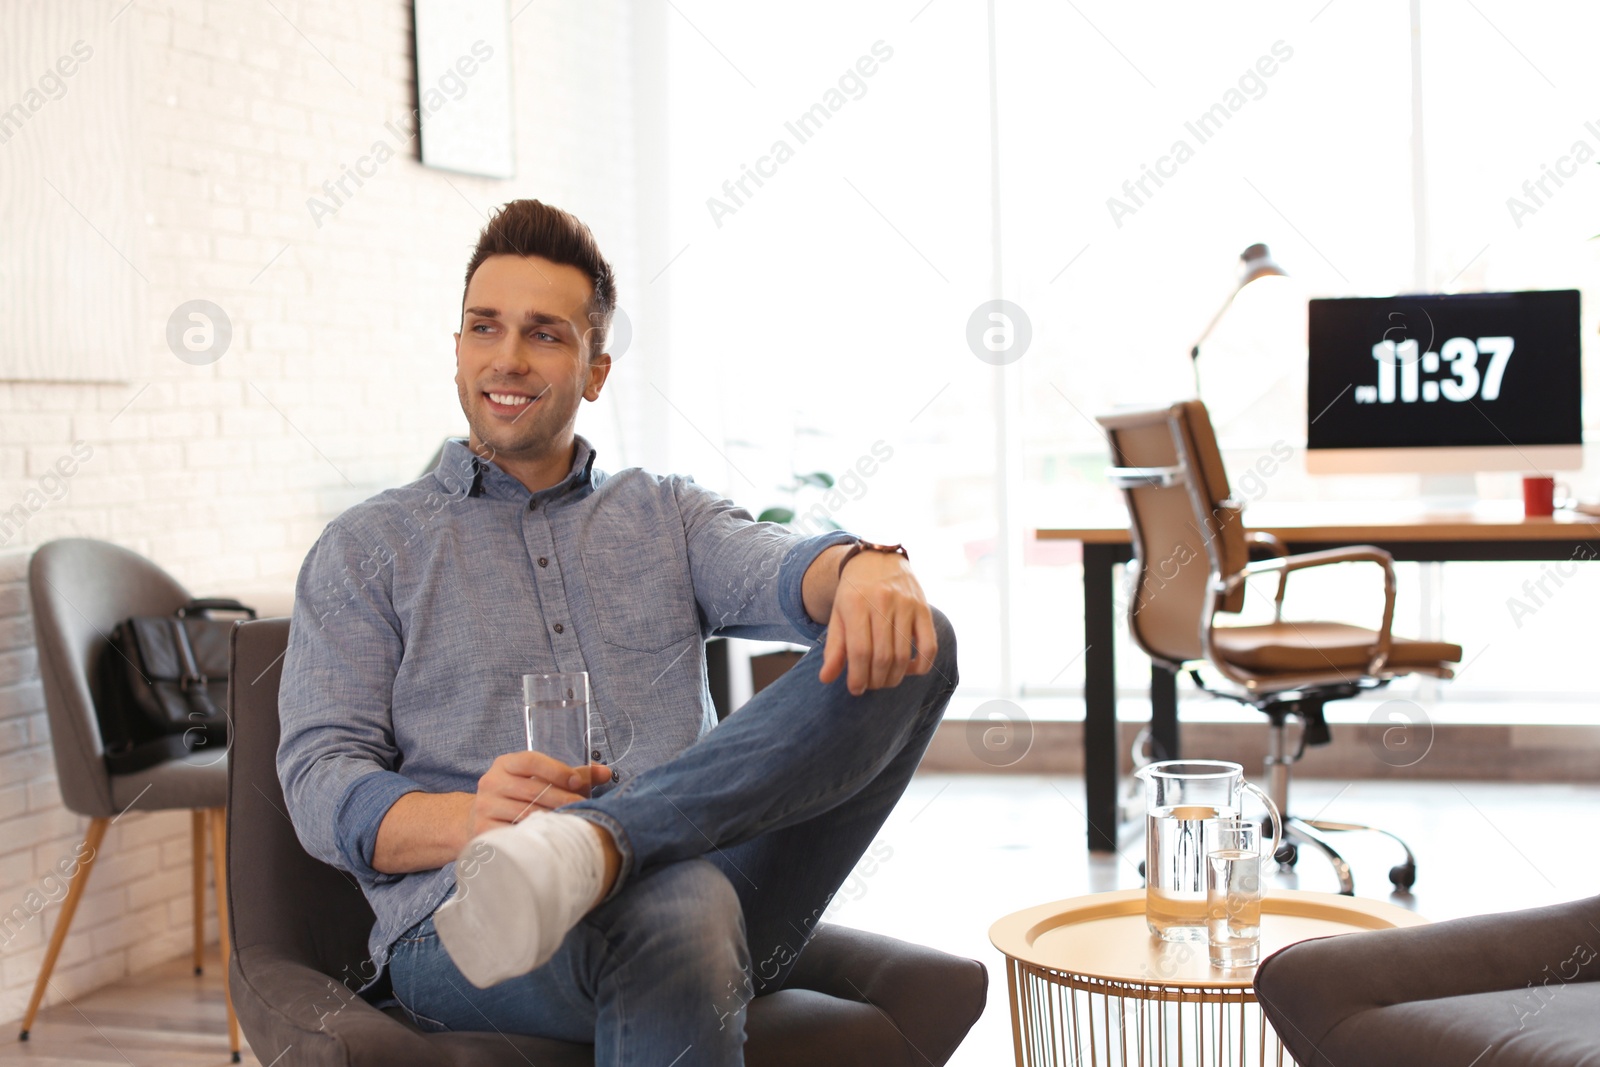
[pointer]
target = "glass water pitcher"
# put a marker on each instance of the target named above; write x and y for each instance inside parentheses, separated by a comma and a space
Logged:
(1184, 801)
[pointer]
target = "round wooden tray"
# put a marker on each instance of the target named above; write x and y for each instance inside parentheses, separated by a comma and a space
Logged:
(1103, 936)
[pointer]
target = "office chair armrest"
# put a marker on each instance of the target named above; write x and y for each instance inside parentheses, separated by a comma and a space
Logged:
(1143, 477)
(1271, 543)
(1283, 565)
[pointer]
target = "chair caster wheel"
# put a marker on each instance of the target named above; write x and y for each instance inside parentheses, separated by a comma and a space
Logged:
(1146, 877)
(23, 1036)
(236, 1058)
(1287, 855)
(1403, 875)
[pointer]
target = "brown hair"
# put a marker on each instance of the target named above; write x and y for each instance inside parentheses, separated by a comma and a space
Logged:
(533, 228)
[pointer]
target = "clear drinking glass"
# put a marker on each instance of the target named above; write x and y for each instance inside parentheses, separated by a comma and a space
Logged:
(556, 707)
(1233, 894)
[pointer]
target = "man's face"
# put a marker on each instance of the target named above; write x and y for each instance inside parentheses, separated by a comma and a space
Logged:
(522, 355)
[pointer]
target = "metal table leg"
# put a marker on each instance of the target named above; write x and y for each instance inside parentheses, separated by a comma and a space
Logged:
(1163, 713)
(1100, 697)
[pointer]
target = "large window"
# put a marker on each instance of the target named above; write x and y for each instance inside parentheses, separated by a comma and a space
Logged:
(835, 225)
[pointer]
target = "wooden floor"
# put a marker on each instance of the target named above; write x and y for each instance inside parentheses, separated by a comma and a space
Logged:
(165, 1017)
(962, 850)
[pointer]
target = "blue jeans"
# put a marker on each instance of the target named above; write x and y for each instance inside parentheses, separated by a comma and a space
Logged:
(730, 854)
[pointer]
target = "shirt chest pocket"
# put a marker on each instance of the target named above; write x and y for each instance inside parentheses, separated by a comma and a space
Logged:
(640, 588)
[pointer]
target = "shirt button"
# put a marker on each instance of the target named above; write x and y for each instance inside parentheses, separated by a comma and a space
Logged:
(560, 629)
(595, 754)
(543, 562)
(533, 505)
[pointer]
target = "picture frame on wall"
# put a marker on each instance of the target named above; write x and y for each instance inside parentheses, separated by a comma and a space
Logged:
(75, 265)
(464, 111)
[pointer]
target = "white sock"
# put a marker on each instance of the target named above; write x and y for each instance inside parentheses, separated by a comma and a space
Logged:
(519, 889)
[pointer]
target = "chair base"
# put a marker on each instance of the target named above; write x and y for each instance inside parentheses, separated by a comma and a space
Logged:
(1307, 706)
(1299, 831)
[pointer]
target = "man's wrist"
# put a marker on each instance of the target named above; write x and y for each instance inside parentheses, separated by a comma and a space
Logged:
(869, 546)
(821, 581)
(423, 831)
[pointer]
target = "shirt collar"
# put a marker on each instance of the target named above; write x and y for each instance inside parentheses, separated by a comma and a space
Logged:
(462, 472)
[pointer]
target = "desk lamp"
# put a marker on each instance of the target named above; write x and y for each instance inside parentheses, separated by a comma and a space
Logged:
(1257, 263)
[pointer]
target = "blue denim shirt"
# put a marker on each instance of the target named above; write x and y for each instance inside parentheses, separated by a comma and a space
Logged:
(418, 611)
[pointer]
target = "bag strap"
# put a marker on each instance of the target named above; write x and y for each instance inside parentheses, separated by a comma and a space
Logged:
(204, 604)
(191, 667)
(193, 683)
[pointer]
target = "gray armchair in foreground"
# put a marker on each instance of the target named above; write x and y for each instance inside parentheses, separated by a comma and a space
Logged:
(300, 929)
(1521, 989)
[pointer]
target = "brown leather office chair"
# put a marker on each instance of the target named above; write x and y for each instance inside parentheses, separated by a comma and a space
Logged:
(1191, 563)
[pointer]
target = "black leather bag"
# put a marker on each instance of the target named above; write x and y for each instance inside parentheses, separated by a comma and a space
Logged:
(165, 685)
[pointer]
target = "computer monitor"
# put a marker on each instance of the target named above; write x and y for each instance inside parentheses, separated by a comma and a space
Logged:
(1444, 384)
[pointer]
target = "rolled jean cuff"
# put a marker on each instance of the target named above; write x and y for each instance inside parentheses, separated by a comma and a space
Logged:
(618, 834)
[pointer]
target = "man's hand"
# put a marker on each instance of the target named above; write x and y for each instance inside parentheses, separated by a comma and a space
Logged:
(879, 612)
(425, 831)
(519, 783)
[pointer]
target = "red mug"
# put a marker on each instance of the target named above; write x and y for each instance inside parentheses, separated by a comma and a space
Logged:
(1539, 496)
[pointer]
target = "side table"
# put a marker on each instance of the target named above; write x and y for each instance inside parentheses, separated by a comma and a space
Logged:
(1089, 984)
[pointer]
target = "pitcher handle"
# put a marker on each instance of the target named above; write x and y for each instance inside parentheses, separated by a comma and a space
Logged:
(1272, 809)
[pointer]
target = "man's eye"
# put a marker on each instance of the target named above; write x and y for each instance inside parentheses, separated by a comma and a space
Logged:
(545, 336)
(481, 326)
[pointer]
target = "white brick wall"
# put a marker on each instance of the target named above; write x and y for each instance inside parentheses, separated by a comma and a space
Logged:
(337, 382)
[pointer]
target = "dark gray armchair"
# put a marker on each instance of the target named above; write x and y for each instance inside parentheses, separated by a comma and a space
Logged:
(300, 928)
(1521, 989)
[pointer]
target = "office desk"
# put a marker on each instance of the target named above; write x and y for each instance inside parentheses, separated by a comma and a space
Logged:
(1492, 531)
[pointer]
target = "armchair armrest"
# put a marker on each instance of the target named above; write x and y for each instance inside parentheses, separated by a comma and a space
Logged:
(283, 1003)
(1283, 565)
(1311, 990)
(923, 991)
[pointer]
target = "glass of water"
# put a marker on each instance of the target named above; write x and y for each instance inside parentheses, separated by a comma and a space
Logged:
(1233, 894)
(556, 707)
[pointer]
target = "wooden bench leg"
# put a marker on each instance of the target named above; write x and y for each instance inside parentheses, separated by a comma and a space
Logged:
(96, 834)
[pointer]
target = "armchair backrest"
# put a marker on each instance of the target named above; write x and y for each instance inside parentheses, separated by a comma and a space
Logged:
(80, 589)
(279, 895)
(1186, 527)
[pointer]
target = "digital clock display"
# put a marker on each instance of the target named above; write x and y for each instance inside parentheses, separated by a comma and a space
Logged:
(1476, 369)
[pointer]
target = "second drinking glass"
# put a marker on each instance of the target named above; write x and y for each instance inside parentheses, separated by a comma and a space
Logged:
(1233, 894)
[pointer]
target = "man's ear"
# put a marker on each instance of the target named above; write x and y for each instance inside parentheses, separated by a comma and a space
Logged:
(599, 371)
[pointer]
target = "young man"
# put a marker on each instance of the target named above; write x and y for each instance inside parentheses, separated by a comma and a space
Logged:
(639, 901)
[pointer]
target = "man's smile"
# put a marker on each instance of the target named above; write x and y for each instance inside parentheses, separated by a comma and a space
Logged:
(506, 402)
